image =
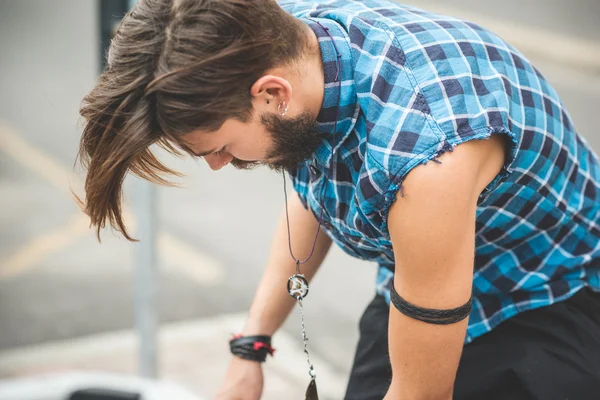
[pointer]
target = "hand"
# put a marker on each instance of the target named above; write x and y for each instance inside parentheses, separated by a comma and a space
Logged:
(243, 381)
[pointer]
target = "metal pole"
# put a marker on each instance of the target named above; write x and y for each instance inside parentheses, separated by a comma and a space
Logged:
(146, 272)
(146, 278)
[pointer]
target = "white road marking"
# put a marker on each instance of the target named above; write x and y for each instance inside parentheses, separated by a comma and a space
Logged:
(175, 255)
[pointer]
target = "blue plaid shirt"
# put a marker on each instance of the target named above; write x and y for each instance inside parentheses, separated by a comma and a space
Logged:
(415, 85)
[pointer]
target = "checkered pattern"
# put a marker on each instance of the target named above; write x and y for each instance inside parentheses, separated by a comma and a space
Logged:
(415, 85)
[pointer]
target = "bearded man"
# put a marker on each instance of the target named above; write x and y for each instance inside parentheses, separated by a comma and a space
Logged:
(423, 143)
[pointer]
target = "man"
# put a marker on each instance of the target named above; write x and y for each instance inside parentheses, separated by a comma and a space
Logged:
(420, 142)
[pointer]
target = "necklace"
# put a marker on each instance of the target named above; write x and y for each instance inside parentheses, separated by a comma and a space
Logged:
(297, 284)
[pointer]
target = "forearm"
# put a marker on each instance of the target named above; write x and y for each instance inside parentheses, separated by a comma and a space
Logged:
(272, 303)
(424, 358)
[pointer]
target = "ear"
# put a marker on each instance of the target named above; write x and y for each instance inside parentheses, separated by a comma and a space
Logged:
(273, 89)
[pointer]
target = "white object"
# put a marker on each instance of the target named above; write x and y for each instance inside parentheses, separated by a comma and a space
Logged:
(61, 386)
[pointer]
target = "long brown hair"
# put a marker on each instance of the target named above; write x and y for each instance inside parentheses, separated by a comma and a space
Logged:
(174, 67)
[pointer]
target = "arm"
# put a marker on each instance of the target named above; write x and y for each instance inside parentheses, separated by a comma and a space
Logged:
(272, 303)
(433, 235)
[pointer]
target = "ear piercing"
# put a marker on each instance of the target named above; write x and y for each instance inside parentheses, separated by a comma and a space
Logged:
(282, 108)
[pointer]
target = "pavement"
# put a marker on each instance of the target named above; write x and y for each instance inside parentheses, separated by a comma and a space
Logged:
(66, 300)
(189, 358)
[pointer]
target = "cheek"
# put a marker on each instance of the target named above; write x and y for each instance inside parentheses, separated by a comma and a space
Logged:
(253, 147)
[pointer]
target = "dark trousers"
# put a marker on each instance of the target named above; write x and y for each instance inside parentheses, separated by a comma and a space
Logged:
(544, 354)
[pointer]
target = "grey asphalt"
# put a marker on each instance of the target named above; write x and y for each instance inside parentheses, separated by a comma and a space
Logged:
(579, 19)
(48, 61)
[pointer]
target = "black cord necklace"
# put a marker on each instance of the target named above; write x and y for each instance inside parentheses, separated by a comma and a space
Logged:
(297, 284)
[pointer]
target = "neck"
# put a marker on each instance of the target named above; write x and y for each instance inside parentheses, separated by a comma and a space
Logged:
(311, 84)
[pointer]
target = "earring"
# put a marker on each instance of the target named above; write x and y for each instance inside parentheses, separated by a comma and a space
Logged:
(285, 108)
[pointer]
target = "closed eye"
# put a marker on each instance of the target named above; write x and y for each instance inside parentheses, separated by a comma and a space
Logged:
(209, 153)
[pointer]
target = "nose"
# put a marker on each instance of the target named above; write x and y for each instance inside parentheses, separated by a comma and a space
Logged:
(216, 162)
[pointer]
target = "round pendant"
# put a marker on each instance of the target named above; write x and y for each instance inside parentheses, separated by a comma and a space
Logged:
(297, 286)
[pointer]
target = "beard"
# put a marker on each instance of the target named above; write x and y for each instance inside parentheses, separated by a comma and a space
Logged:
(294, 140)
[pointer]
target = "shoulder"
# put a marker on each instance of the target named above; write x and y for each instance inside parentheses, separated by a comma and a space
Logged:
(466, 170)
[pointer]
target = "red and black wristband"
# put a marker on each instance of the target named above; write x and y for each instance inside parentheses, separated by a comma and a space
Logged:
(253, 348)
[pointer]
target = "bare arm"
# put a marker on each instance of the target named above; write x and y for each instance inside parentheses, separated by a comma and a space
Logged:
(433, 235)
(272, 303)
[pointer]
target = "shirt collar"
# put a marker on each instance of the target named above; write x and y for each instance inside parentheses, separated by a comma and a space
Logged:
(337, 99)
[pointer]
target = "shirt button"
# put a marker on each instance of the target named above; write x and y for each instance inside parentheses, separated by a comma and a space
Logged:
(314, 170)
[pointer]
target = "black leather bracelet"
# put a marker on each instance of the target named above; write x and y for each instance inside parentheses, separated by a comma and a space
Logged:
(253, 348)
(431, 315)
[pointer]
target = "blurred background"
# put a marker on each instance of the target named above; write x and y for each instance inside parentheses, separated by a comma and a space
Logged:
(67, 301)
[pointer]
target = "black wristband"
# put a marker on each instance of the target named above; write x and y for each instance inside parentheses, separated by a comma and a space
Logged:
(253, 348)
(430, 315)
